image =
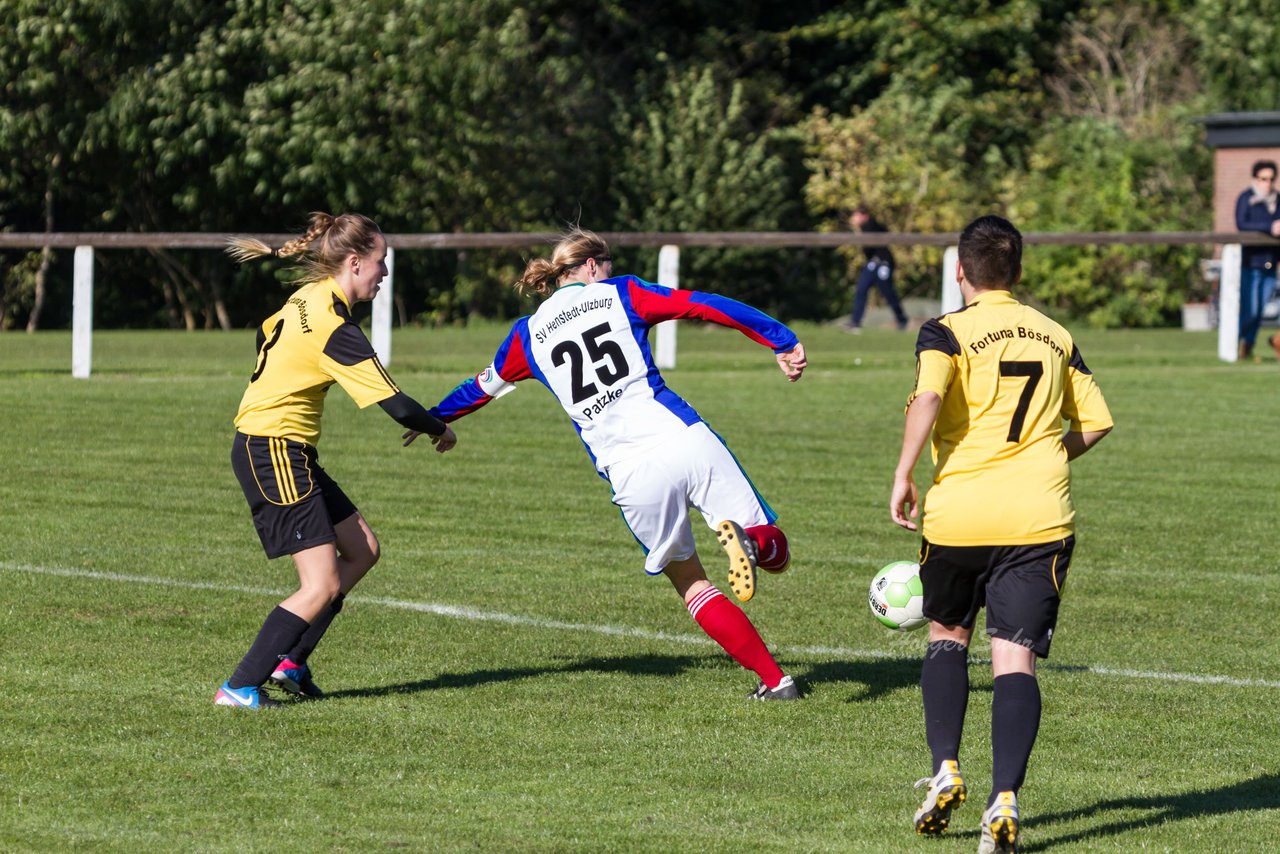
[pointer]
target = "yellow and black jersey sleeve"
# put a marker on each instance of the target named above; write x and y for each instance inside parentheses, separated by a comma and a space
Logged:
(1082, 402)
(348, 359)
(936, 352)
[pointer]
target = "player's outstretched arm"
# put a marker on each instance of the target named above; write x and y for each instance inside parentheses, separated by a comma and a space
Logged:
(904, 498)
(409, 413)
(793, 362)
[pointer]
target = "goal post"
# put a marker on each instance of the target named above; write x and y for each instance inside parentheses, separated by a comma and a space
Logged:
(665, 332)
(82, 313)
(383, 309)
(1229, 304)
(952, 299)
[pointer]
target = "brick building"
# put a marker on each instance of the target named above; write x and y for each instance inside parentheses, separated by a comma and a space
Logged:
(1238, 140)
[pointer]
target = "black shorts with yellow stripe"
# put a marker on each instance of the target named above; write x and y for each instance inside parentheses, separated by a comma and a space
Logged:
(1020, 586)
(295, 504)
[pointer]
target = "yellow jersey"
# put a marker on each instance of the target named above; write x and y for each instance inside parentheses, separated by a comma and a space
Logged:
(305, 347)
(1008, 377)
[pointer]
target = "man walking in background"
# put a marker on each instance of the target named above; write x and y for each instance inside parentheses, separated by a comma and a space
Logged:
(877, 272)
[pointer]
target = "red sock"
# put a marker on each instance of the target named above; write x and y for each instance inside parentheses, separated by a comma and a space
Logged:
(772, 550)
(729, 627)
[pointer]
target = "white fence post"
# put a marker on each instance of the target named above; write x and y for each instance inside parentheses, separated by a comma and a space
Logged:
(1229, 304)
(952, 299)
(668, 277)
(82, 314)
(383, 309)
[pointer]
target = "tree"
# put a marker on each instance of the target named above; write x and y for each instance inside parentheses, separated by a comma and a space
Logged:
(1236, 51)
(429, 116)
(1122, 153)
(54, 79)
(1122, 64)
(693, 164)
(898, 157)
(61, 62)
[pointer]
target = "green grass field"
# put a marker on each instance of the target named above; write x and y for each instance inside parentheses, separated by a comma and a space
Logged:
(508, 679)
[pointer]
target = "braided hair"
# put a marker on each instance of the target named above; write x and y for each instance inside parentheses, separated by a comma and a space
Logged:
(320, 251)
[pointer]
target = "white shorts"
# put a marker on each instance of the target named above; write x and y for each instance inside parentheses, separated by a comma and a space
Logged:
(656, 490)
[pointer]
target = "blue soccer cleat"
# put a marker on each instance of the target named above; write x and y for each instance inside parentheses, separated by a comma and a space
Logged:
(248, 697)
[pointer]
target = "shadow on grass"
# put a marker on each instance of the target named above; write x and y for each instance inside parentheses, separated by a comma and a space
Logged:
(876, 677)
(637, 665)
(1260, 793)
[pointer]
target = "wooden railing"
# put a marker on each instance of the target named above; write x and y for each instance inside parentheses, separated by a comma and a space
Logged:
(85, 243)
(763, 239)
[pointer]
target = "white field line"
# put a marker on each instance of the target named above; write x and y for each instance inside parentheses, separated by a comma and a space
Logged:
(459, 612)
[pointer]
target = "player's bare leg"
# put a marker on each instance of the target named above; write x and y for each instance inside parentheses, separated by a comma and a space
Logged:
(357, 551)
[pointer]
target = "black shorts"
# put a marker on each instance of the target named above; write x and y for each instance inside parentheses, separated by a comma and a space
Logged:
(294, 503)
(1020, 586)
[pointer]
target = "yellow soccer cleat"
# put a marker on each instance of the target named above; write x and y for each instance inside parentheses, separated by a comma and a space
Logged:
(742, 559)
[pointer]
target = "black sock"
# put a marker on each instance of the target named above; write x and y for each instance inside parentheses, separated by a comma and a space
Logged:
(278, 634)
(1015, 720)
(944, 684)
(307, 643)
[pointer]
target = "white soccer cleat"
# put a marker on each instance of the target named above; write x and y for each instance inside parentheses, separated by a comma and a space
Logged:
(946, 792)
(1000, 826)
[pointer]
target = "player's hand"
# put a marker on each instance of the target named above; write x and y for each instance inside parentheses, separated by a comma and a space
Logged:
(793, 362)
(444, 442)
(904, 498)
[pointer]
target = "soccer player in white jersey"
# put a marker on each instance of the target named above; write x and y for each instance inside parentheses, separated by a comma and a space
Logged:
(588, 344)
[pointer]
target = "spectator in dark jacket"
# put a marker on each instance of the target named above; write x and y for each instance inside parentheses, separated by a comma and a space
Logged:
(878, 271)
(1256, 210)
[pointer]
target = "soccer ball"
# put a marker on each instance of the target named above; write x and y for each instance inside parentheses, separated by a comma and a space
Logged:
(897, 597)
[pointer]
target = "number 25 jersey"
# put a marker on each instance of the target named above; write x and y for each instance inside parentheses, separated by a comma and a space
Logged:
(588, 344)
(1008, 376)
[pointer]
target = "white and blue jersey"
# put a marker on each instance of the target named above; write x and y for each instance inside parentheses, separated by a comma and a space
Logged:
(589, 345)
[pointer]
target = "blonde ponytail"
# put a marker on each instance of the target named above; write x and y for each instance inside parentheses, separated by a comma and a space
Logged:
(539, 278)
(542, 276)
(320, 223)
(244, 249)
(321, 249)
